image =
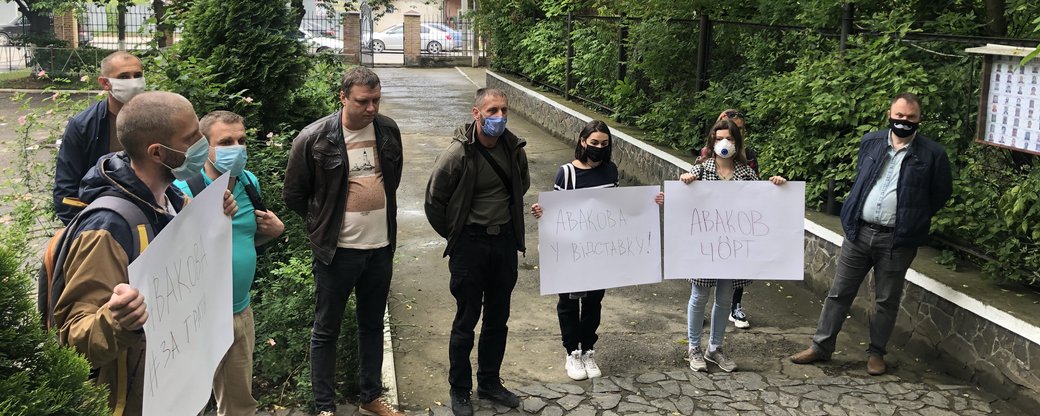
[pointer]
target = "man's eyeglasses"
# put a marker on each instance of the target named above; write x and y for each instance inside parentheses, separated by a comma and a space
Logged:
(734, 114)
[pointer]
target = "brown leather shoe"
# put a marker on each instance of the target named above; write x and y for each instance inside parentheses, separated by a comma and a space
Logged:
(876, 365)
(808, 356)
(379, 407)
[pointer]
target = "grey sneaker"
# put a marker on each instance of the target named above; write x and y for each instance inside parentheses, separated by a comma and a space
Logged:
(721, 360)
(697, 360)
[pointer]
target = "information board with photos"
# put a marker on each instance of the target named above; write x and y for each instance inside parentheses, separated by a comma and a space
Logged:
(1009, 115)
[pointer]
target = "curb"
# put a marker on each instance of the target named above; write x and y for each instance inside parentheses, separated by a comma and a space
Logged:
(389, 371)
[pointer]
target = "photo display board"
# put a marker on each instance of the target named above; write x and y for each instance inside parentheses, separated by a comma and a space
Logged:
(1009, 114)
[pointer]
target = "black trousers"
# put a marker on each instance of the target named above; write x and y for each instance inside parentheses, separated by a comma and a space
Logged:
(369, 273)
(579, 320)
(483, 274)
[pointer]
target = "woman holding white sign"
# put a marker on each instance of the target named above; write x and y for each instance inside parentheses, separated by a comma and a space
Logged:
(579, 313)
(728, 162)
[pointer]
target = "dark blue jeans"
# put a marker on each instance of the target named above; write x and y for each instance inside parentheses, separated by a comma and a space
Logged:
(483, 274)
(872, 249)
(369, 272)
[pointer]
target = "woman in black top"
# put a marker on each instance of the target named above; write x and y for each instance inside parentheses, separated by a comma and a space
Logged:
(579, 313)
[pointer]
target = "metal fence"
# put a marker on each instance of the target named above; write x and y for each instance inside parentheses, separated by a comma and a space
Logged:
(102, 26)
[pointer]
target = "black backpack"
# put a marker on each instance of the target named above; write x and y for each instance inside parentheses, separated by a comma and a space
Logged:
(51, 277)
(196, 184)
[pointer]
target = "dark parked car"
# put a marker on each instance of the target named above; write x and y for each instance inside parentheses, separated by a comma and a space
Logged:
(13, 32)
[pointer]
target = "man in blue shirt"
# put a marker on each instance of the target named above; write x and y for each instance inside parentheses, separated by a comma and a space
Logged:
(902, 180)
(92, 133)
(250, 227)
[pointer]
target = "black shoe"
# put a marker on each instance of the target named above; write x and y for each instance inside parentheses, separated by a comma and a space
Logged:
(499, 394)
(460, 403)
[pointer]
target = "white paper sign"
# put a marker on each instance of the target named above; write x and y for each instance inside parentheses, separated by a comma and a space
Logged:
(590, 239)
(185, 277)
(734, 230)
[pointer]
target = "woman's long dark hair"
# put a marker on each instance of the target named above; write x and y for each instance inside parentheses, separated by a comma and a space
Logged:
(734, 134)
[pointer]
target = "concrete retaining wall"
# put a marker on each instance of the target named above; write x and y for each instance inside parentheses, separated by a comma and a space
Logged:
(977, 342)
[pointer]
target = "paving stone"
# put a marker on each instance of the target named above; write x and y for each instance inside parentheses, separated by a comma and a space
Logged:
(664, 405)
(690, 390)
(852, 402)
(751, 381)
(701, 381)
(822, 395)
(606, 401)
(650, 378)
(774, 410)
(711, 398)
(501, 409)
(769, 397)
(811, 407)
(779, 380)
(570, 401)
(609, 413)
(895, 389)
(676, 375)
(655, 392)
(745, 406)
(533, 404)
(627, 407)
(960, 403)
(936, 399)
(788, 400)
(604, 385)
(721, 407)
(684, 405)
(743, 396)
(885, 409)
(636, 399)
(798, 390)
(583, 410)
(566, 388)
(935, 411)
(552, 411)
(485, 412)
(946, 387)
(876, 398)
(626, 383)
(833, 410)
(540, 391)
(671, 386)
(907, 404)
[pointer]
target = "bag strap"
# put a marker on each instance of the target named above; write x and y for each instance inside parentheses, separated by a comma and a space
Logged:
(498, 170)
(573, 175)
(196, 184)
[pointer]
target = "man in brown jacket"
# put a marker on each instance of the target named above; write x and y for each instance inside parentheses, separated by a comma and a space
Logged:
(98, 313)
(342, 177)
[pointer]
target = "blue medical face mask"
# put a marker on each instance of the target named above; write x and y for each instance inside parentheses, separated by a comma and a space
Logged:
(230, 159)
(194, 159)
(494, 126)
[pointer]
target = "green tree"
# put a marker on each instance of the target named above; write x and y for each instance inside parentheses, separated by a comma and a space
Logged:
(253, 45)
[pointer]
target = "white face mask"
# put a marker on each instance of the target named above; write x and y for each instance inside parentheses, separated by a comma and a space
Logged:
(725, 148)
(125, 89)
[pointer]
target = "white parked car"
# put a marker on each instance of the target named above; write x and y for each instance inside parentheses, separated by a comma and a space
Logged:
(434, 40)
(319, 44)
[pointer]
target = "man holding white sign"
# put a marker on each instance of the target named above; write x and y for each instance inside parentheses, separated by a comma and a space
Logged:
(98, 313)
(902, 180)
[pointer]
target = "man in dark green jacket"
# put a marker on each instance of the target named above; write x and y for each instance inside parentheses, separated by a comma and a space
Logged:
(474, 199)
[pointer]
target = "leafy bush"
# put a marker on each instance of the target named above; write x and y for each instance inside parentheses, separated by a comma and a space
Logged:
(37, 376)
(808, 104)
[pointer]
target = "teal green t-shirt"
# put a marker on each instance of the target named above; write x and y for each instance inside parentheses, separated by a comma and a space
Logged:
(243, 240)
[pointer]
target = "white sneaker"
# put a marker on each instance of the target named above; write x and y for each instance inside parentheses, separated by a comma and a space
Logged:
(739, 318)
(697, 360)
(591, 369)
(575, 366)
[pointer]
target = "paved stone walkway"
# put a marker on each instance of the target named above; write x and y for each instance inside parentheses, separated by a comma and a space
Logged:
(739, 393)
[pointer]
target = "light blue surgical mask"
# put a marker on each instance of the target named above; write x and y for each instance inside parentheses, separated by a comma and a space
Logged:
(194, 159)
(494, 126)
(230, 159)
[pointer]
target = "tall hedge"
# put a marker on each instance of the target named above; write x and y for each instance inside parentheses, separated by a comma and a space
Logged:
(37, 376)
(253, 45)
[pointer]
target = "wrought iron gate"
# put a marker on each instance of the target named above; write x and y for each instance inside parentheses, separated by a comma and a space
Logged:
(367, 56)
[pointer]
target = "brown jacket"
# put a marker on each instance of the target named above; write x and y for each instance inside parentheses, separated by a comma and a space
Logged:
(96, 262)
(316, 179)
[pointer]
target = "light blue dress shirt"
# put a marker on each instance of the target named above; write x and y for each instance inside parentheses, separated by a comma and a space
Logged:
(880, 206)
